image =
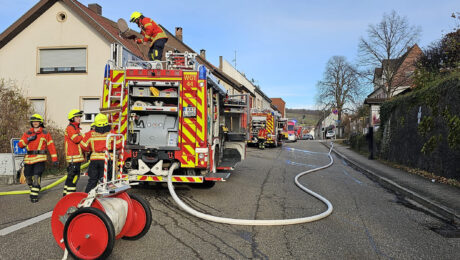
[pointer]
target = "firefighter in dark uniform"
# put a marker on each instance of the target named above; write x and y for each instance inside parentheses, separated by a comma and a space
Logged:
(74, 154)
(152, 33)
(95, 142)
(37, 141)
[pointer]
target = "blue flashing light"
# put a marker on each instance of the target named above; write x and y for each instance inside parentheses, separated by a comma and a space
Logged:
(107, 71)
(202, 72)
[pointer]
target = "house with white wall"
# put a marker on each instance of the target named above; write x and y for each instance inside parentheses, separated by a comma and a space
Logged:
(258, 98)
(56, 54)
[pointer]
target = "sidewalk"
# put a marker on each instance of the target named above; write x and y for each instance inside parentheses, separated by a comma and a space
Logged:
(437, 197)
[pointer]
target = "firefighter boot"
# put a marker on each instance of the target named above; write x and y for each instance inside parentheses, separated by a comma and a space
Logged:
(29, 181)
(36, 179)
(73, 175)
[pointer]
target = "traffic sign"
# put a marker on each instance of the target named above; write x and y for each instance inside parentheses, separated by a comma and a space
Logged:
(16, 149)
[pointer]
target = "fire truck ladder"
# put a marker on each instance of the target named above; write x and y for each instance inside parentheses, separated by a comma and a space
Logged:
(111, 111)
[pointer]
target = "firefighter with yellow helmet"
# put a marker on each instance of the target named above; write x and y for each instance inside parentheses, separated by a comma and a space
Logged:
(73, 152)
(152, 33)
(94, 141)
(37, 141)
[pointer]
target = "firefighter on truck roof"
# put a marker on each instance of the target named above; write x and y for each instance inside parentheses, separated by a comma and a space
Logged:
(94, 141)
(74, 155)
(152, 33)
(37, 141)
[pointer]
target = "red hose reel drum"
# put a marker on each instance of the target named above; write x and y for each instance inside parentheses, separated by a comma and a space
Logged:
(89, 233)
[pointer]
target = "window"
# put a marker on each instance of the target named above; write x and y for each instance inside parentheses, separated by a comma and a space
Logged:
(90, 109)
(71, 60)
(38, 106)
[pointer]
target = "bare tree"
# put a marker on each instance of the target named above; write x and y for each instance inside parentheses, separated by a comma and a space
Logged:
(340, 87)
(386, 42)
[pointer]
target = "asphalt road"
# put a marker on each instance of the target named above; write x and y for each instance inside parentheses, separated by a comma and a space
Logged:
(368, 222)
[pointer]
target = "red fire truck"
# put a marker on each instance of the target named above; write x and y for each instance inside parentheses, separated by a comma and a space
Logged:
(267, 119)
(175, 111)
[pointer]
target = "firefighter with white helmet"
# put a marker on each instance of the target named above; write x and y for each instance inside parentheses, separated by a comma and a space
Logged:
(37, 141)
(74, 154)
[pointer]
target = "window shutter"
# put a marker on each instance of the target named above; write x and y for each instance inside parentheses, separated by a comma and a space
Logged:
(63, 58)
(91, 105)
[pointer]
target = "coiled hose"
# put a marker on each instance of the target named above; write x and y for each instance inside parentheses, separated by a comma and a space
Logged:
(252, 222)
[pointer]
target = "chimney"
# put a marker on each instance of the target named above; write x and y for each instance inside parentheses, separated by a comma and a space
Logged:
(203, 53)
(179, 33)
(220, 62)
(95, 8)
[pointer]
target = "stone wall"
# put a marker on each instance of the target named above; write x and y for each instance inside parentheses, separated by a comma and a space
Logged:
(422, 129)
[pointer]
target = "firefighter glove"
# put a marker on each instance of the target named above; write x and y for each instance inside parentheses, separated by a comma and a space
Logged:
(31, 138)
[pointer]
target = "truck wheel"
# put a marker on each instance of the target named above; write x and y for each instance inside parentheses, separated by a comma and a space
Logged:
(89, 234)
(205, 184)
(142, 218)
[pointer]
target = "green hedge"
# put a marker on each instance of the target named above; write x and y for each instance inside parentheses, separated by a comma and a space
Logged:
(434, 143)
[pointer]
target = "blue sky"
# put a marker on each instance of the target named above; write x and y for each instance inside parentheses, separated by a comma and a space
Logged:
(283, 45)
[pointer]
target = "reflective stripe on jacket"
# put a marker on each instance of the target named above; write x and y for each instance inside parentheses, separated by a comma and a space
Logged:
(73, 137)
(151, 31)
(43, 142)
(95, 143)
(262, 134)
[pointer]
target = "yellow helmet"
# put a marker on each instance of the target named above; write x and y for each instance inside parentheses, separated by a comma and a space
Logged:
(36, 118)
(135, 16)
(73, 113)
(101, 120)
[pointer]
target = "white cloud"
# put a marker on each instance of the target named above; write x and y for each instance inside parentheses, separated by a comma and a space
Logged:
(307, 106)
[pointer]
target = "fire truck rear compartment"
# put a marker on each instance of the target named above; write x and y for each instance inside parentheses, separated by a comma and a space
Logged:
(154, 131)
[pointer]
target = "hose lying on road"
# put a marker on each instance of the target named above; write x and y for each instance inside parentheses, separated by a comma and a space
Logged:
(252, 222)
(18, 192)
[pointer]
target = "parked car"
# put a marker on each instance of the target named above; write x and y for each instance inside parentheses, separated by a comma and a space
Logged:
(307, 137)
(292, 137)
(330, 134)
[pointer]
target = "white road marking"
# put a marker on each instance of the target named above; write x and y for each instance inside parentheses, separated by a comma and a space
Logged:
(24, 224)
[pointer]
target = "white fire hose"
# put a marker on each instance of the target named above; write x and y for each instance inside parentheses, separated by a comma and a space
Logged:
(252, 222)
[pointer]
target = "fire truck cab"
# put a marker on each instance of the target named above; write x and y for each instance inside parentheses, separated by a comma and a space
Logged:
(292, 134)
(174, 111)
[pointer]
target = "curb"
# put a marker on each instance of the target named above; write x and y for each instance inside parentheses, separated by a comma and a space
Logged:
(442, 211)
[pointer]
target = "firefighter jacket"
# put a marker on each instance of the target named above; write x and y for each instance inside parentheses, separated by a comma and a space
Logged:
(73, 137)
(36, 149)
(262, 134)
(95, 143)
(151, 31)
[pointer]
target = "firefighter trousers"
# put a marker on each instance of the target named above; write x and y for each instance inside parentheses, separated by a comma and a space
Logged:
(96, 173)
(73, 175)
(33, 174)
(156, 50)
